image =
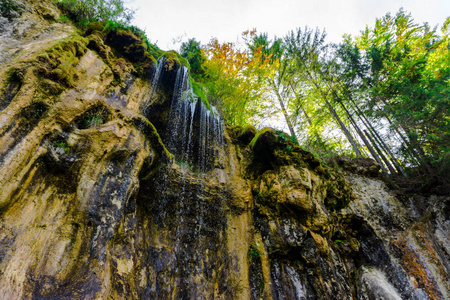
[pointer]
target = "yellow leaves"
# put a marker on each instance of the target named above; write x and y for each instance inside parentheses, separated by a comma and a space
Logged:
(248, 35)
(446, 27)
(237, 78)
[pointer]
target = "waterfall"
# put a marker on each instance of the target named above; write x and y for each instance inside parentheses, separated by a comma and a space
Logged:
(194, 131)
(180, 201)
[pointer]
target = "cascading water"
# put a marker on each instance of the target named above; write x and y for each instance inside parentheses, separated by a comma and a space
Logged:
(194, 131)
(102, 212)
(179, 199)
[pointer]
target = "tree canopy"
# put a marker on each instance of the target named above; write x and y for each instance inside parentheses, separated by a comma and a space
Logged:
(384, 94)
(85, 11)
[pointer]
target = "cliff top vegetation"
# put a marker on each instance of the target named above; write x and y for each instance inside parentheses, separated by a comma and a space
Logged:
(383, 94)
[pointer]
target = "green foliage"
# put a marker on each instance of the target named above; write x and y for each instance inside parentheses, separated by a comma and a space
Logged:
(284, 137)
(62, 144)
(35, 111)
(183, 165)
(254, 251)
(409, 81)
(287, 140)
(93, 121)
(64, 18)
(112, 25)
(86, 11)
(199, 91)
(232, 78)
(192, 51)
(93, 118)
(9, 9)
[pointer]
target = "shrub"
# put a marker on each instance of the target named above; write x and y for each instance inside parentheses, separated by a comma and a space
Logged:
(85, 11)
(9, 9)
(93, 118)
(254, 251)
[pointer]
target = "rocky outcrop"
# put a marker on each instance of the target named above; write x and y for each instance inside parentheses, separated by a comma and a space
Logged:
(98, 199)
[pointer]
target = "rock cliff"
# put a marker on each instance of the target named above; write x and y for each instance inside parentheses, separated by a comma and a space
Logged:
(116, 182)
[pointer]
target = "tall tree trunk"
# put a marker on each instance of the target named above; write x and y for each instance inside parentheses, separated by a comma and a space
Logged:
(363, 137)
(415, 157)
(377, 138)
(283, 108)
(338, 119)
(415, 144)
(384, 147)
(380, 152)
(308, 119)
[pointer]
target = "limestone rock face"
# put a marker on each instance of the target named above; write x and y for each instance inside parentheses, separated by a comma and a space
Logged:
(93, 204)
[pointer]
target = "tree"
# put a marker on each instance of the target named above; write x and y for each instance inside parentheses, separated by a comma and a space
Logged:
(233, 80)
(408, 85)
(85, 11)
(272, 51)
(191, 50)
(306, 50)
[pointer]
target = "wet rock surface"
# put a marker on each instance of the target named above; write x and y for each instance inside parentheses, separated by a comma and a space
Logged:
(117, 183)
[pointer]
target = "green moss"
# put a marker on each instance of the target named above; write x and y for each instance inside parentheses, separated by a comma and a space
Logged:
(15, 74)
(259, 134)
(151, 48)
(94, 117)
(174, 57)
(339, 194)
(150, 131)
(49, 89)
(64, 19)
(10, 86)
(244, 134)
(9, 9)
(60, 60)
(183, 164)
(62, 144)
(254, 251)
(64, 71)
(247, 129)
(95, 27)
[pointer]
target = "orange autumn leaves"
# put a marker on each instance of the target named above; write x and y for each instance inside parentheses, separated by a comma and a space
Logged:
(235, 79)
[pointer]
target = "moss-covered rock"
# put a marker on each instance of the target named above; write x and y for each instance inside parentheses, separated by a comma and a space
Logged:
(11, 85)
(133, 48)
(264, 143)
(96, 43)
(58, 63)
(174, 60)
(247, 134)
(93, 207)
(359, 165)
(339, 193)
(97, 28)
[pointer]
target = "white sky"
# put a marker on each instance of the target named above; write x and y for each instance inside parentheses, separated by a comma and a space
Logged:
(164, 20)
